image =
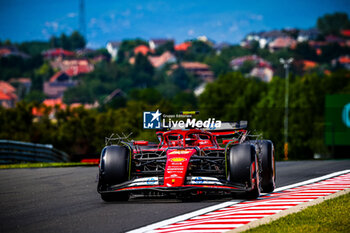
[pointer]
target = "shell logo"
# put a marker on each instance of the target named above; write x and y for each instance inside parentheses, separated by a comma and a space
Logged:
(179, 152)
(178, 159)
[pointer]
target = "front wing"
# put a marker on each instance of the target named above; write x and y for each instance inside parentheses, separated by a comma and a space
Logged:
(192, 184)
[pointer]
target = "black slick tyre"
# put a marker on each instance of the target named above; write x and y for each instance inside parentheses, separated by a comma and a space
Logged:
(268, 181)
(113, 170)
(243, 168)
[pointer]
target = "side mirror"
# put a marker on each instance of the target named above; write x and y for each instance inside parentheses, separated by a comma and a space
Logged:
(141, 143)
(226, 141)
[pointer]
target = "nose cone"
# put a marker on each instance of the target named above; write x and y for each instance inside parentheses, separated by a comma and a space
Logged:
(176, 166)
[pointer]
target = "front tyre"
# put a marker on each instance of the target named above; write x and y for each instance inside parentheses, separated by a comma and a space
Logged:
(256, 190)
(113, 170)
(243, 168)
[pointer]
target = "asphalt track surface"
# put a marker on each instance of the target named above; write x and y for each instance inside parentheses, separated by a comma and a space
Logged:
(66, 200)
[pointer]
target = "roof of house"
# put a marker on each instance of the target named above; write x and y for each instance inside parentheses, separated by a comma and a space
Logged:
(161, 41)
(207, 73)
(57, 52)
(12, 50)
(76, 70)
(54, 102)
(317, 44)
(5, 51)
(39, 111)
(272, 34)
(345, 32)
(58, 75)
(183, 46)
(309, 64)
(6, 87)
(344, 59)
(309, 32)
(158, 61)
(20, 80)
(253, 58)
(334, 39)
(73, 67)
(143, 49)
(194, 65)
(282, 42)
(4, 96)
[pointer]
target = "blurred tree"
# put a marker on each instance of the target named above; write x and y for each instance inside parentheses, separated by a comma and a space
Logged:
(218, 64)
(268, 114)
(125, 50)
(35, 96)
(150, 96)
(197, 51)
(254, 47)
(34, 48)
(333, 23)
(142, 64)
(183, 79)
(65, 42)
(142, 72)
(16, 123)
(246, 67)
(234, 51)
(231, 97)
(54, 42)
(305, 51)
(168, 46)
(331, 51)
(200, 47)
(7, 42)
(77, 41)
(185, 101)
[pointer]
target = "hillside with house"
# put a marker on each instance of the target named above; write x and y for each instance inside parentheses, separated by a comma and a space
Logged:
(57, 87)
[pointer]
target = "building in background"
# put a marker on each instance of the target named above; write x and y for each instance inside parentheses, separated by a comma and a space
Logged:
(156, 43)
(8, 96)
(159, 61)
(113, 48)
(58, 84)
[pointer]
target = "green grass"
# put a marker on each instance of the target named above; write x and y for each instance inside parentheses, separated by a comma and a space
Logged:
(329, 216)
(40, 165)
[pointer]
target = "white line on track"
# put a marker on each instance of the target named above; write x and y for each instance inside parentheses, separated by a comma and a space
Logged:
(231, 203)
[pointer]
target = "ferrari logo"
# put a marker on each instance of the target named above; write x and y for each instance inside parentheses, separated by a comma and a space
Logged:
(178, 159)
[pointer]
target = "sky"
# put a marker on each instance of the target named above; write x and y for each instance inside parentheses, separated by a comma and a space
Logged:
(116, 20)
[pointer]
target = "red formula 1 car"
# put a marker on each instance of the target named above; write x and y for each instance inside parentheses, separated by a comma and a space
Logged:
(188, 161)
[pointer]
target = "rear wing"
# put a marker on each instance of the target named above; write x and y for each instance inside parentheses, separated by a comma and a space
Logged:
(226, 128)
(229, 126)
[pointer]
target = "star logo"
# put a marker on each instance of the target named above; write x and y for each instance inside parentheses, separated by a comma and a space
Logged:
(155, 115)
(151, 120)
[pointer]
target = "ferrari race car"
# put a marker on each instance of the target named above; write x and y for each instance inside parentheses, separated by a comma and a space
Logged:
(188, 162)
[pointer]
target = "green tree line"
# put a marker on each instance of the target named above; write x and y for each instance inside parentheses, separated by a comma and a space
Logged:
(81, 132)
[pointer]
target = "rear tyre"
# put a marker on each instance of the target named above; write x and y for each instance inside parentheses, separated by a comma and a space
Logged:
(113, 170)
(243, 168)
(268, 181)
